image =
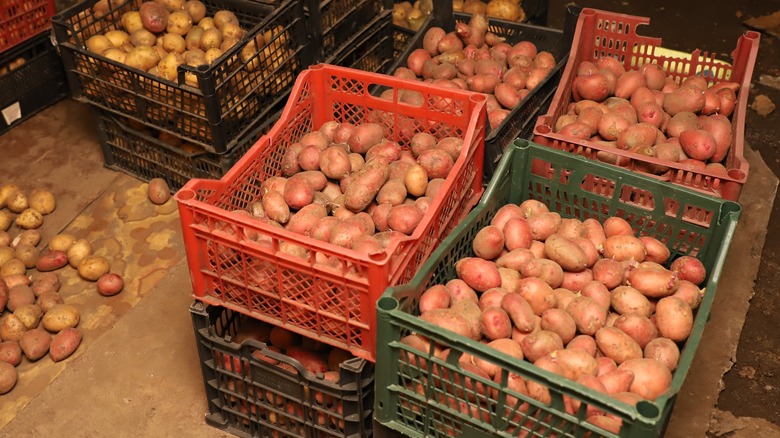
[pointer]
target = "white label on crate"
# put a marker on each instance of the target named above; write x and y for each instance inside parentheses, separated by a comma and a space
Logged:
(12, 113)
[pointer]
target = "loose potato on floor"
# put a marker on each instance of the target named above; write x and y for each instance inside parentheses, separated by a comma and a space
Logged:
(59, 317)
(28, 254)
(51, 261)
(29, 314)
(61, 242)
(42, 201)
(48, 299)
(27, 237)
(11, 329)
(77, 251)
(158, 191)
(109, 284)
(29, 219)
(6, 219)
(92, 267)
(64, 344)
(8, 377)
(35, 343)
(10, 352)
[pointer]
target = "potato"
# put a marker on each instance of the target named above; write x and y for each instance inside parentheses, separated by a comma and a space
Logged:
(540, 343)
(60, 317)
(28, 254)
(560, 322)
(674, 318)
(29, 219)
(663, 350)
(543, 269)
(44, 281)
(64, 344)
(538, 293)
(365, 185)
(11, 328)
(495, 323)
(505, 346)
(14, 280)
(478, 274)
(450, 320)
(109, 284)
(10, 352)
(364, 136)
(435, 297)
(131, 21)
(460, 290)
(29, 314)
(310, 361)
(12, 266)
(576, 362)
(617, 345)
(51, 261)
(47, 299)
(92, 267)
(154, 16)
(142, 58)
(488, 242)
(690, 269)
(628, 300)
(42, 201)
(158, 190)
(61, 242)
(172, 5)
(17, 201)
(653, 282)
(6, 254)
(587, 314)
(640, 328)
(8, 377)
(566, 253)
(688, 98)
(584, 342)
(6, 219)
(651, 378)
(196, 9)
(98, 44)
(223, 17)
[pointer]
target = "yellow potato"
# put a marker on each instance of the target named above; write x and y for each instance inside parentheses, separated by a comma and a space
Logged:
(27, 237)
(17, 201)
(416, 180)
(6, 219)
(28, 254)
(29, 219)
(132, 22)
(210, 39)
(179, 22)
(93, 267)
(172, 42)
(60, 317)
(143, 58)
(78, 251)
(6, 254)
(13, 266)
(61, 242)
(98, 44)
(169, 66)
(6, 190)
(221, 18)
(118, 38)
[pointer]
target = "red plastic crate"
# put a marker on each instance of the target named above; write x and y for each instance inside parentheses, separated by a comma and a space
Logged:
(21, 20)
(333, 305)
(600, 34)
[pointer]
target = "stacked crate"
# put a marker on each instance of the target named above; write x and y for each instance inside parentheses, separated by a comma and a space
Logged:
(200, 123)
(31, 73)
(247, 282)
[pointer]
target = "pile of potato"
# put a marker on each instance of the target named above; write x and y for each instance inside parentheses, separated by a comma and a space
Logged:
(321, 360)
(472, 58)
(348, 185)
(413, 15)
(585, 300)
(164, 34)
(34, 319)
(647, 112)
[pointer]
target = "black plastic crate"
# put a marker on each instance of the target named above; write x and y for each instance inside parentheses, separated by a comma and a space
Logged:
(371, 49)
(233, 95)
(250, 397)
(33, 86)
(342, 19)
(143, 153)
(519, 123)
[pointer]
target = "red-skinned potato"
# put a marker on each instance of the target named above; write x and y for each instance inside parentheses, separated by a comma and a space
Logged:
(109, 284)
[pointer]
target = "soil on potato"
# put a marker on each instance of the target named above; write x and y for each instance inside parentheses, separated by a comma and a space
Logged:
(752, 387)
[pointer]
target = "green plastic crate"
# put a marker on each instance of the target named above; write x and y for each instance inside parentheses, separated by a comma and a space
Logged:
(689, 223)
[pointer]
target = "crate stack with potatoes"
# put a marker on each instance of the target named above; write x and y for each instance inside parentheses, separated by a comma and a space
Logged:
(572, 299)
(347, 194)
(31, 73)
(182, 88)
